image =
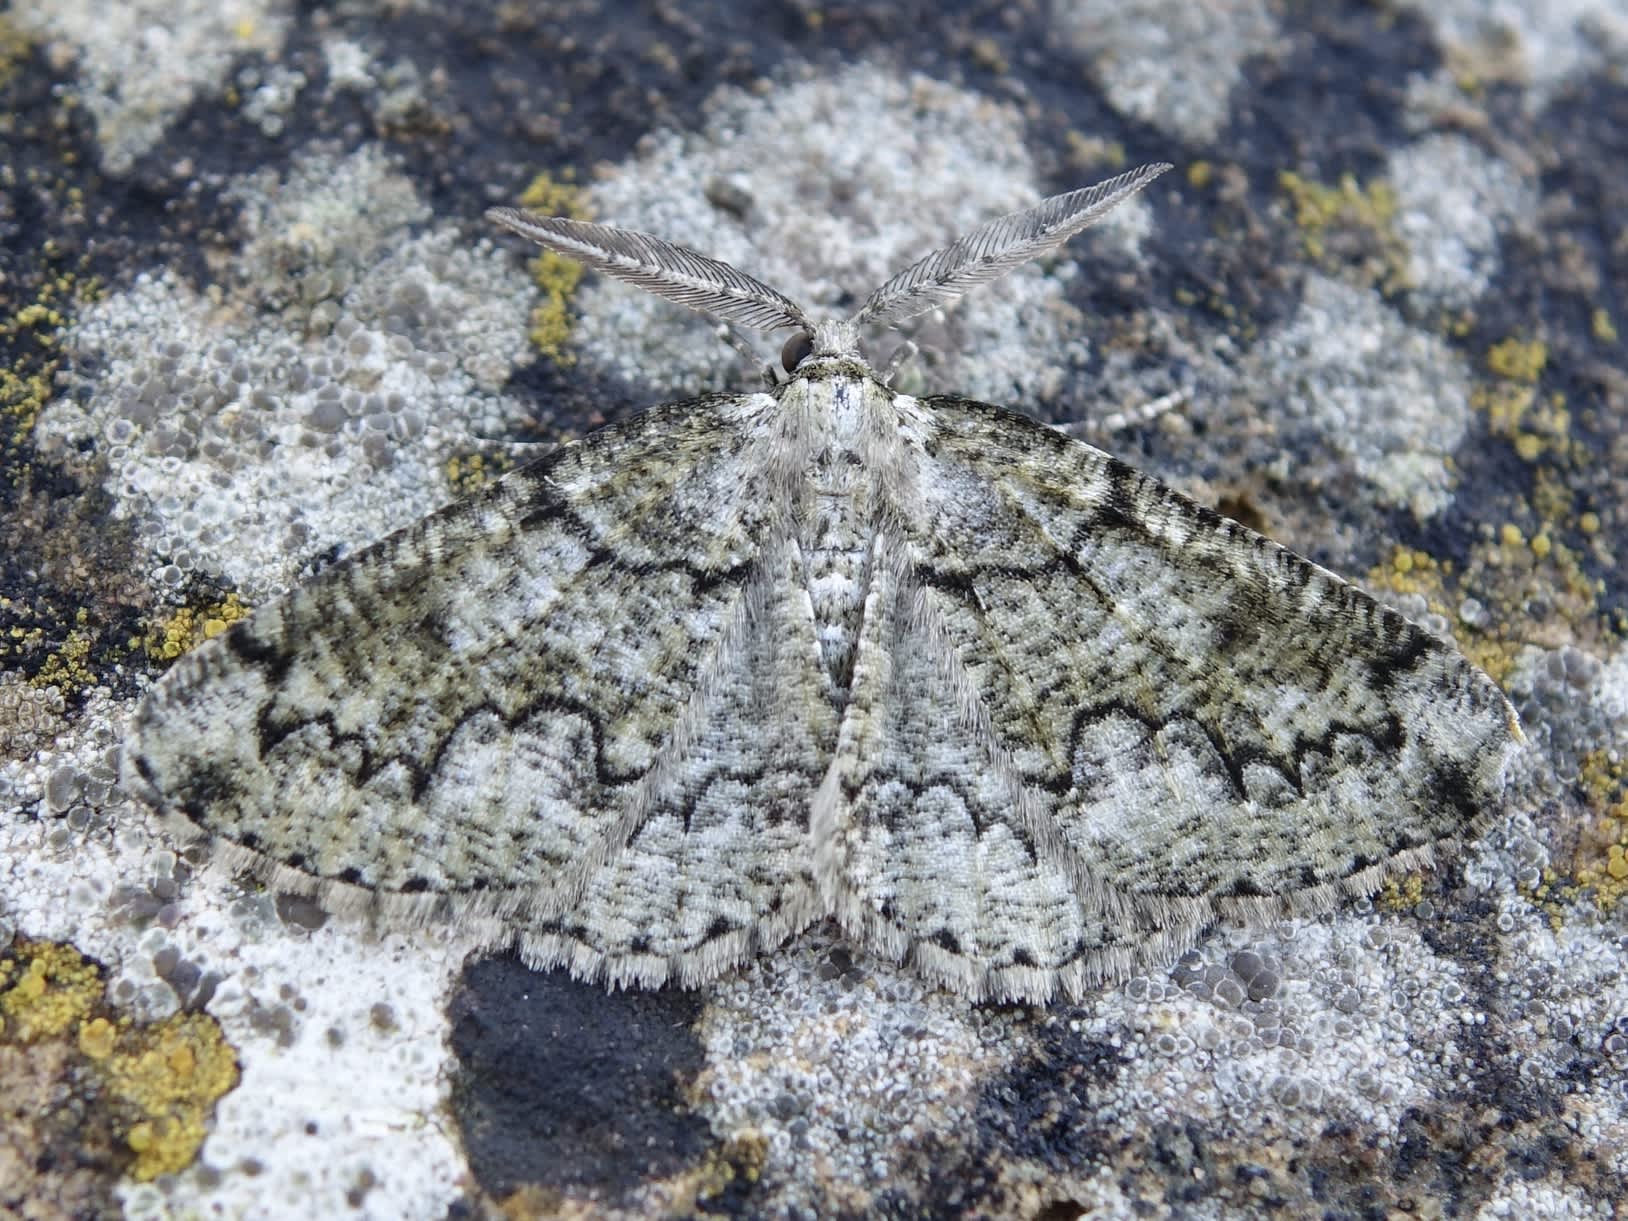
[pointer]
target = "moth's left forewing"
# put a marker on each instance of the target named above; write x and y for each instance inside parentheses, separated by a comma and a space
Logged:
(523, 712)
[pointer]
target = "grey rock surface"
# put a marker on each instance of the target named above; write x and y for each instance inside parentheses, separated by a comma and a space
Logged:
(253, 322)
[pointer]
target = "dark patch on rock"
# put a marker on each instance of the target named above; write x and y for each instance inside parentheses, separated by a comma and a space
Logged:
(563, 1084)
(1337, 99)
(1042, 1113)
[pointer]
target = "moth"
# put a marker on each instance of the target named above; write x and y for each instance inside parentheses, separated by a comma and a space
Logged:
(999, 705)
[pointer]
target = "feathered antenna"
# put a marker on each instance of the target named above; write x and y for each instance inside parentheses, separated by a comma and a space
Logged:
(996, 247)
(661, 267)
(714, 287)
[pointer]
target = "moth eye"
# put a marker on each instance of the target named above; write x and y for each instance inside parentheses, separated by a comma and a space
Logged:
(796, 349)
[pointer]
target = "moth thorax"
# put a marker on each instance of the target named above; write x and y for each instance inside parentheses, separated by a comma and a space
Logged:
(837, 539)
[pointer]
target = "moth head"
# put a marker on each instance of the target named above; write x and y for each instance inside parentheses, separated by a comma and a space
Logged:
(831, 343)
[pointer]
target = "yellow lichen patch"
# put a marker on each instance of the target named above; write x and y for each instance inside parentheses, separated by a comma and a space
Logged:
(163, 1080)
(556, 275)
(550, 197)
(190, 626)
(1093, 154)
(739, 1160)
(1505, 404)
(39, 317)
(1538, 565)
(1518, 360)
(1401, 893)
(20, 640)
(1616, 865)
(531, 1201)
(1575, 593)
(1494, 656)
(1513, 405)
(155, 1084)
(46, 989)
(1410, 571)
(1350, 227)
(468, 473)
(1552, 500)
(1521, 564)
(97, 1038)
(34, 330)
(550, 330)
(67, 669)
(1551, 893)
(1602, 852)
(1605, 330)
(14, 48)
(22, 397)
